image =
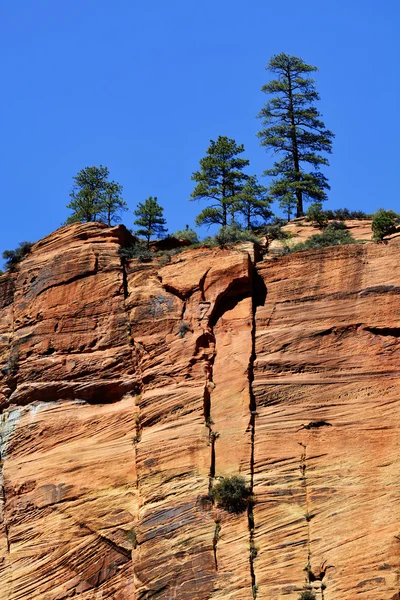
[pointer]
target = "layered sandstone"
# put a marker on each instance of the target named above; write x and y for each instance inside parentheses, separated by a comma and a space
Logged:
(128, 389)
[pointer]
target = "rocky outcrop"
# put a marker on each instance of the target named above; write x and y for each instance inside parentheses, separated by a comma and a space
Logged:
(299, 230)
(128, 389)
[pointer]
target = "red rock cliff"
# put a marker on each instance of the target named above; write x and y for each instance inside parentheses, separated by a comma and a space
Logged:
(128, 389)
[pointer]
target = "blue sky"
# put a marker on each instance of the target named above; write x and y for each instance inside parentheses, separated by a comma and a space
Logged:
(142, 86)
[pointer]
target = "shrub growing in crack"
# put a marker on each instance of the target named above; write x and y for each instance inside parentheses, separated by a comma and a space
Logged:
(307, 595)
(253, 550)
(138, 251)
(231, 494)
(160, 304)
(183, 328)
(131, 537)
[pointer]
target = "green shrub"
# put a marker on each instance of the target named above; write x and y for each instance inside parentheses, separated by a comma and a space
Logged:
(138, 251)
(307, 595)
(384, 223)
(330, 237)
(186, 234)
(13, 257)
(316, 215)
(273, 231)
(231, 494)
(320, 217)
(343, 214)
(234, 234)
(336, 225)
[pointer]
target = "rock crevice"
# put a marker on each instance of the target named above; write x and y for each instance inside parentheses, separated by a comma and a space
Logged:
(139, 386)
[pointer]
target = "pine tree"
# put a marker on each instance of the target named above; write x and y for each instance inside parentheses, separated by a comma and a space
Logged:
(288, 204)
(87, 194)
(220, 179)
(150, 221)
(254, 203)
(293, 128)
(112, 203)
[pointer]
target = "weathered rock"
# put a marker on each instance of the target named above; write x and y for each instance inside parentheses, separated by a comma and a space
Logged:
(326, 446)
(128, 389)
(300, 230)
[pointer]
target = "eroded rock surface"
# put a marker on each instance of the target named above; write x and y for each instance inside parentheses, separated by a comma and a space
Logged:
(127, 389)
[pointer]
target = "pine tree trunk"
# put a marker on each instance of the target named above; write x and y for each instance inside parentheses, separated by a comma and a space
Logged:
(295, 150)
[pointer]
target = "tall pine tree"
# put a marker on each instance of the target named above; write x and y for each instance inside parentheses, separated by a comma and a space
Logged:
(150, 221)
(220, 180)
(293, 129)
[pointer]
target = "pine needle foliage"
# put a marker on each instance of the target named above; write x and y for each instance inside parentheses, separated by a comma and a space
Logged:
(254, 203)
(293, 129)
(220, 180)
(385, 222)
(13, 257)
(95, 198)
(150, 219)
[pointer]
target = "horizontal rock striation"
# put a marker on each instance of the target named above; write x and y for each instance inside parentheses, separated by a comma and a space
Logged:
(129, 389)
(326, 380)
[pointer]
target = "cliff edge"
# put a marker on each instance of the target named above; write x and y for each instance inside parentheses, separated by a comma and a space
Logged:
(128, 389)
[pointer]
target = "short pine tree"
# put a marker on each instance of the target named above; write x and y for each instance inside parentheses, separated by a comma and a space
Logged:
(112, 203)
(288, 204)
(87, 194)
(293, 129)
(254, 203)
(150, 221)
(220, 180)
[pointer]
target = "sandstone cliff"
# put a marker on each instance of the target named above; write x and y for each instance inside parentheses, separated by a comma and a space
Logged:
(128, 388)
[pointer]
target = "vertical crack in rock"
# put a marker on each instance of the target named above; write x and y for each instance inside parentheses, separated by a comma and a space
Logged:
(215, 542)
(212, 435)
(311, 576)
(136, 361)
(252, 427)
(308, 516)
(201, 285)
(124, 278)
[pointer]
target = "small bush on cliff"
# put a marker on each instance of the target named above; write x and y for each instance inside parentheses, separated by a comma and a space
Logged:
(231, 494)
(13, 257)
(330, 237)
(186, 234)
(384, 223)
(307, 595)
(233, 234)
(138, 251)
(316, 215)
(273, 231)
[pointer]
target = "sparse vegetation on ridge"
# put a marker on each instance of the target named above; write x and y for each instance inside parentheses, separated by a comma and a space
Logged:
(330, 237)
(385, 222)
(13, 257)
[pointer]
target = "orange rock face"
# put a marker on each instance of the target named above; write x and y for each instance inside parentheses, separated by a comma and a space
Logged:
(129, 389)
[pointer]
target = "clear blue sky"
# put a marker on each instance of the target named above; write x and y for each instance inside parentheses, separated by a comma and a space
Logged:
(142, 86)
